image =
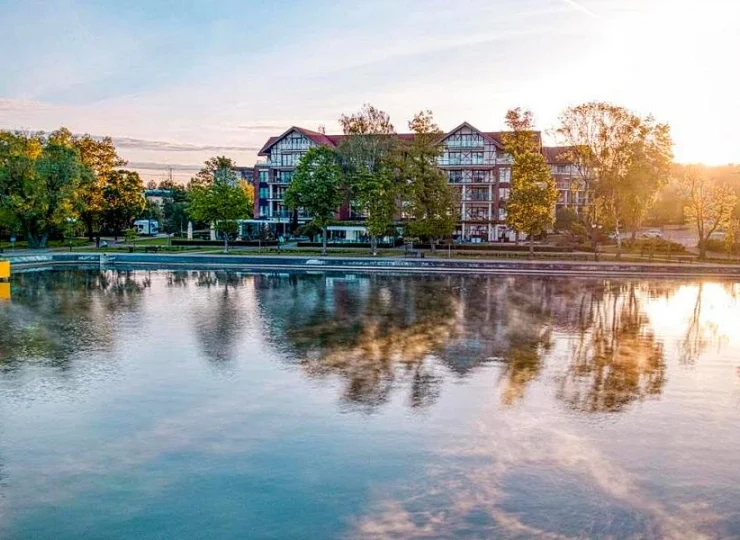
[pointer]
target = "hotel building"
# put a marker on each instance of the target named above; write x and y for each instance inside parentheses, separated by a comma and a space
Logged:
(474, 161)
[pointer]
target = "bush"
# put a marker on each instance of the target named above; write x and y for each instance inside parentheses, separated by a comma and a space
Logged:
(720, 246)
(653, 245)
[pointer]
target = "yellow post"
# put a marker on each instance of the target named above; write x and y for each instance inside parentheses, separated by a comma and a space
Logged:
(4, 269)
(4, 291)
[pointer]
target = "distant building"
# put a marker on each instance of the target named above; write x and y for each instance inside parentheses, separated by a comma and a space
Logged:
(474, 161)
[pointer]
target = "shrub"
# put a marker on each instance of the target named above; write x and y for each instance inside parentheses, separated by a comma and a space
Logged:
(721, 246)
(653, 245)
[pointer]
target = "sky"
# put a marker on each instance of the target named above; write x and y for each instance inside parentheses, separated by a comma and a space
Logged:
(177, 82)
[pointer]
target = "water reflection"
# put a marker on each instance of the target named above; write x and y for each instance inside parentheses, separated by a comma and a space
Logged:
(55, 315)
(528, 389)
(615, 358)
(380, 333)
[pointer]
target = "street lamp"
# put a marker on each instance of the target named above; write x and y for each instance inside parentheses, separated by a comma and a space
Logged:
(594, 236)
(70, 228)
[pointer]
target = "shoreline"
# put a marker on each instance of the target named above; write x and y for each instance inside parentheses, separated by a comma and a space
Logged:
(358, 264)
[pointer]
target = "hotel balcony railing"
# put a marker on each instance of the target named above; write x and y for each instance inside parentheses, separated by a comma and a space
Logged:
(473, 180)
(465, 163)
(477, 198)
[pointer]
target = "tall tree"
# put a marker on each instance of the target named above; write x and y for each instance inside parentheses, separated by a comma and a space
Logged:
(709, 203)
(123, 199)
(531, 207)
(429, 200)
(222, 202)
(207, 174)
(367, 154)
(38, 180)
(101, 157)
(623, 160)
(317, 187)
(650, 158)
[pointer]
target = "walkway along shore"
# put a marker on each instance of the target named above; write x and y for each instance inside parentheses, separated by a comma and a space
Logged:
(368, 264)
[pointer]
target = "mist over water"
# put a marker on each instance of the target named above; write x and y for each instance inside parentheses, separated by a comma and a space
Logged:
(209, 405)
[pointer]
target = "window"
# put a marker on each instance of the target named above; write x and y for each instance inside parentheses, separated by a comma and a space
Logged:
(477, 158)
(284, 177)
(504, 176)
(264, 176)
(455, 177)
(264, 193)
(264, 211)
(481, 177)
(504, 194)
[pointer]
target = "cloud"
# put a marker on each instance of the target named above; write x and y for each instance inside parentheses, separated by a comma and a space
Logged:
(151, 166)
(165, 146)
(580, 7)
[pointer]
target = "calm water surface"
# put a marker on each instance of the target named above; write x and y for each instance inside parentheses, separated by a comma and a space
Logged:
(213, 405)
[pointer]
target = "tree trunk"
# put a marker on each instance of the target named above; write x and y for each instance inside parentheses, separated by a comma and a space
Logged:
(702, 249)
(89, 227)
(433, 244)
(619, 242)
(531, 246)
(374, 245)
(323, 241)
(226, 243)
(634, 233)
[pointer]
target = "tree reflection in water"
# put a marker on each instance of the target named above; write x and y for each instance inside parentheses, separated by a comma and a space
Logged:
(616, 359)
(55, 314)
(378, 333)
(219, 321)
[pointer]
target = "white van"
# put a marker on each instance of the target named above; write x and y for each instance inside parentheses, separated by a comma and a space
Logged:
(146, 227)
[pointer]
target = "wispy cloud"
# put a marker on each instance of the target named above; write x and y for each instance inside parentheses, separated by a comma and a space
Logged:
(164, 146)
(580, 7)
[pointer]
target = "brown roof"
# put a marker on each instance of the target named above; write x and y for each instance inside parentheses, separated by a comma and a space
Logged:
(333, 141)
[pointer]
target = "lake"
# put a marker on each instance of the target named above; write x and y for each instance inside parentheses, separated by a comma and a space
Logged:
(193, 404)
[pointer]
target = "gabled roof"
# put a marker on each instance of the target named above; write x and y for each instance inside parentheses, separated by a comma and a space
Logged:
(314, 136)
(332, 141)
(491, 136)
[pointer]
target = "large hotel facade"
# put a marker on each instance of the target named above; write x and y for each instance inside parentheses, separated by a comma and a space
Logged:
(474, 161)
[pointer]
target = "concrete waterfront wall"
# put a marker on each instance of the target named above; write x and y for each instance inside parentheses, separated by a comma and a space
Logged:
(436, 266)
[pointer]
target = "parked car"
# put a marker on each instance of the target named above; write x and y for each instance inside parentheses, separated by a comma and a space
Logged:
(652, 233)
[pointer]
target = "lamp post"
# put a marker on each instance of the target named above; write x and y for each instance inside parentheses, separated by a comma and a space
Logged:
(70, 229)
(594, 234)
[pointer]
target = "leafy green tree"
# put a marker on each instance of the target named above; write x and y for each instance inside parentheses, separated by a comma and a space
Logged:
(222, 202)
(623, 160)
(123, 199)
(709, 203)
(211, 167)
(38, 180)
(367, 155)
(429, 200)
(101, 157)
(317, 187)
(531, 207)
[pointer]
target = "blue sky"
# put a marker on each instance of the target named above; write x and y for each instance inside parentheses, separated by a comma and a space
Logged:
(176, 82)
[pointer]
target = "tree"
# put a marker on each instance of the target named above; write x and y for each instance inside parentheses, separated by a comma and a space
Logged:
(101, 157)
(317, 187)
(709, 203)
(647, 173)
(38, 180)
(367, 155)
(222, 202)
(123, 199)
(207, 174)
(429, 200)
(623, 160)
(530, 208)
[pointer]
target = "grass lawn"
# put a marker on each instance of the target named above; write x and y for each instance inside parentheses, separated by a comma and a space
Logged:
(76, 242)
